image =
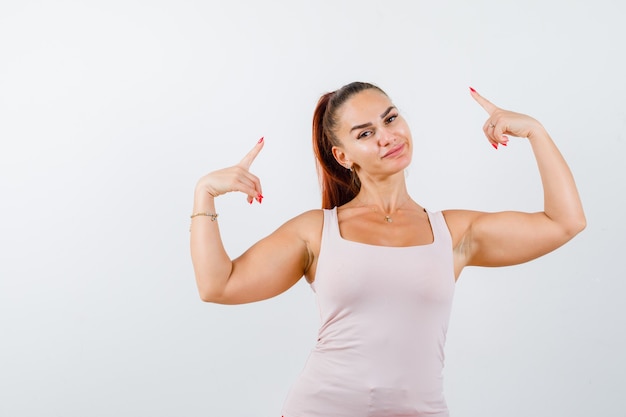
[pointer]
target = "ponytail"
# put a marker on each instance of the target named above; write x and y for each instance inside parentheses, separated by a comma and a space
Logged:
(338, 184)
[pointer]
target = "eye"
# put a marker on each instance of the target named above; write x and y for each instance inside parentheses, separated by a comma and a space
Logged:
(364, 134)
(391, 118)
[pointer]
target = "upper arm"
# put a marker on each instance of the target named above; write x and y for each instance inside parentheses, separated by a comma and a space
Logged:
(275, 263)
(504, 238)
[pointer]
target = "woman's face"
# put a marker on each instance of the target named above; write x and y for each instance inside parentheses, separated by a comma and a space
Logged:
(374, 138)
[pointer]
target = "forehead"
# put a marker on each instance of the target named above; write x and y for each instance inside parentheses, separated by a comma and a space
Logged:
(365, 106)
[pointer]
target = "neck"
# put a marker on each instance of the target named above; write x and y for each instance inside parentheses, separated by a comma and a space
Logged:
(387, 199)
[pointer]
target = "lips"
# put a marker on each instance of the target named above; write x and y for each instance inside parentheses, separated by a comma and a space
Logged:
(394, 151)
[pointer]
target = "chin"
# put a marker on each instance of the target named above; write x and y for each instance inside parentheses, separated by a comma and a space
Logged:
(401, 166)
(405, 162)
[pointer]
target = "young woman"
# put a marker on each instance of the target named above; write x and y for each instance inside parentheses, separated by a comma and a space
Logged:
(383, 267)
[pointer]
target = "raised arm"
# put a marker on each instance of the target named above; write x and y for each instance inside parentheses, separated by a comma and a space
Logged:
(507, 238)
(268, 268)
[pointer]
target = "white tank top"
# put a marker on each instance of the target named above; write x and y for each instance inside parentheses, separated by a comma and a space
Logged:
(384, 316)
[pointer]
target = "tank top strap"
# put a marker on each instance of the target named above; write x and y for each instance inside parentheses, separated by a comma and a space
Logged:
(441, 233)
(331, 224)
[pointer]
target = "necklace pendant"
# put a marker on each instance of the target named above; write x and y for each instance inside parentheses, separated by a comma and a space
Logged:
(388, 219)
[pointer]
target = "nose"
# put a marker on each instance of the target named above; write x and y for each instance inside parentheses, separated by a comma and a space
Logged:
(386, 137)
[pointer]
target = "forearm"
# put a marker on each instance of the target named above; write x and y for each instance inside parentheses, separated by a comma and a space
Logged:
(211, 263)
(561, 200)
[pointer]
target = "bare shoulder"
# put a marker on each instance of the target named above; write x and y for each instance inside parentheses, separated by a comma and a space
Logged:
(306, 220)
(308, 225)
(311, 215)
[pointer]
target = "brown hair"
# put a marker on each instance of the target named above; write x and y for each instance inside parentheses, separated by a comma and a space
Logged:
(339, 184)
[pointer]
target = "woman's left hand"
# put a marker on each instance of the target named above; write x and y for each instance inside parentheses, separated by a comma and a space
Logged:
(502, 123)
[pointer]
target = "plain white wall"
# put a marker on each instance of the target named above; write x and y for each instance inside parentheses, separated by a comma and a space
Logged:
(111, 110)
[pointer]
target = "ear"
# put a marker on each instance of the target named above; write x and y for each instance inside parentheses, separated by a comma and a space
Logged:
(341, 157)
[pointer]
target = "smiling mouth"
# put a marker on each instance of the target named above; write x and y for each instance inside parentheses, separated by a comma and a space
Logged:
(394, 151)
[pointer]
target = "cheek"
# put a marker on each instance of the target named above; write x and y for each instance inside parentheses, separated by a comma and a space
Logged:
(363, 150)
(407, 134)
(404, 129)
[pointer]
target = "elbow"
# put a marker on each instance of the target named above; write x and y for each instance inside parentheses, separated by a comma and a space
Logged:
(211, 287)
(575, 226)
(206, 297)
(208, 294)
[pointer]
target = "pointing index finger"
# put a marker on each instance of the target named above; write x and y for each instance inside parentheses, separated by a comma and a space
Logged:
(484, 103)
(250, 156)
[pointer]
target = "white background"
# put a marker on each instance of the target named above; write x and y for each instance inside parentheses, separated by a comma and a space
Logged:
(111, 110)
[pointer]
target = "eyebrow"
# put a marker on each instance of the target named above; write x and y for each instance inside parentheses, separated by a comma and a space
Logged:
(382, 116)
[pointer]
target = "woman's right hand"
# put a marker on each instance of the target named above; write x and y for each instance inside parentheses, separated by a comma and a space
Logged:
(234, 178)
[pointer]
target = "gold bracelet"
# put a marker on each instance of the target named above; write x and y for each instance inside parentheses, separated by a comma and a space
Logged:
(213, 216)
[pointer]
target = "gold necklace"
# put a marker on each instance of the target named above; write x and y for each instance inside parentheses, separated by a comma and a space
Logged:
(387, 218)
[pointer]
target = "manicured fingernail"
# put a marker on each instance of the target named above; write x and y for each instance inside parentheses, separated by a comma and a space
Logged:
(504, 143)
(472, 90)
(259, 198)
(261, 140)
(250, 200)
(495, 145)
